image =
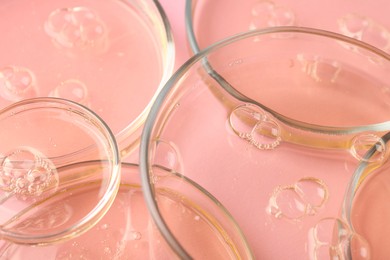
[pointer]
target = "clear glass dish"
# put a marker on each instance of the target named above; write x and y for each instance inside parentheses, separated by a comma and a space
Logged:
(40, 201)
(363, 20)
(128, 232)
(366, 207)
(273, 123)
(111, 56)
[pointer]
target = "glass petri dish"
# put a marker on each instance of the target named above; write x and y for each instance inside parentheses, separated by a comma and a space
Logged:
(128, 232)
(273, 123)
(111, 56)
(365, 207)
(362, 20)
(40, 202)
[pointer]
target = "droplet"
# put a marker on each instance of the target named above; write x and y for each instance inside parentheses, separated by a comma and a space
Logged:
(104, 226)
(252, 124)
(368, 147)
(27, 173)
(17, 83)
(135, 235)
(72, 89)
(78, 27)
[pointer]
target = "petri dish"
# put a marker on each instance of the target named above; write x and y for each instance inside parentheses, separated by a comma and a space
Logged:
(111, 56)
(40, 202)
(273, 123)
(127, 231)
(365, 207)
(362, 20)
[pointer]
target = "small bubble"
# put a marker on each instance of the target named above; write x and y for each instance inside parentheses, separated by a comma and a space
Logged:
(197, 218)
(331, 232)
(135, 235)
(252, 124)
(319, 69)
(17, 83)
(78, 27)
(27, 173)
(368, 148)
(72, 89)
(104, 226)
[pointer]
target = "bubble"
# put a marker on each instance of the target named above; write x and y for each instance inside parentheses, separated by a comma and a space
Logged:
(295, 201)
(77, 27)
(27, 173)
(72, 89)
(17, 83)
(313, 191)
(286, 203)
(365, 29)
(135, 235)
(319, 69)
(335, 240)
(252, 124)
(268, 14)
(363, 143)
(167, 156)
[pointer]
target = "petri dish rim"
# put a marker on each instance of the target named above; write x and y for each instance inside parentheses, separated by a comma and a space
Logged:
(104, 204)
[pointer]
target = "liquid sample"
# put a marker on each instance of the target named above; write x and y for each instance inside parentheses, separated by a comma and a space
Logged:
(97, 53)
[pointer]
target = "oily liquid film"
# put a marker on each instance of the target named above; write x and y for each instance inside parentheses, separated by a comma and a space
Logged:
(128, 232)
(91, 52)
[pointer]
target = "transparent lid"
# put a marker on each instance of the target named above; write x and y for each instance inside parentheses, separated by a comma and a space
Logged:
(273, 123)
(40, 200)
(110, 56)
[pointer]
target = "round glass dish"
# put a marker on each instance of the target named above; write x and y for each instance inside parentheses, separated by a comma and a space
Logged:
(273, 123)
(360, 19)
(111, 56)
(366, 208)
(41, 202)
(128, 232)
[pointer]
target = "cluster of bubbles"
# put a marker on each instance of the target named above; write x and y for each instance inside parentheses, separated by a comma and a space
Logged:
(304, 197)
(254, 125)
(76, 28)
(27, 173)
